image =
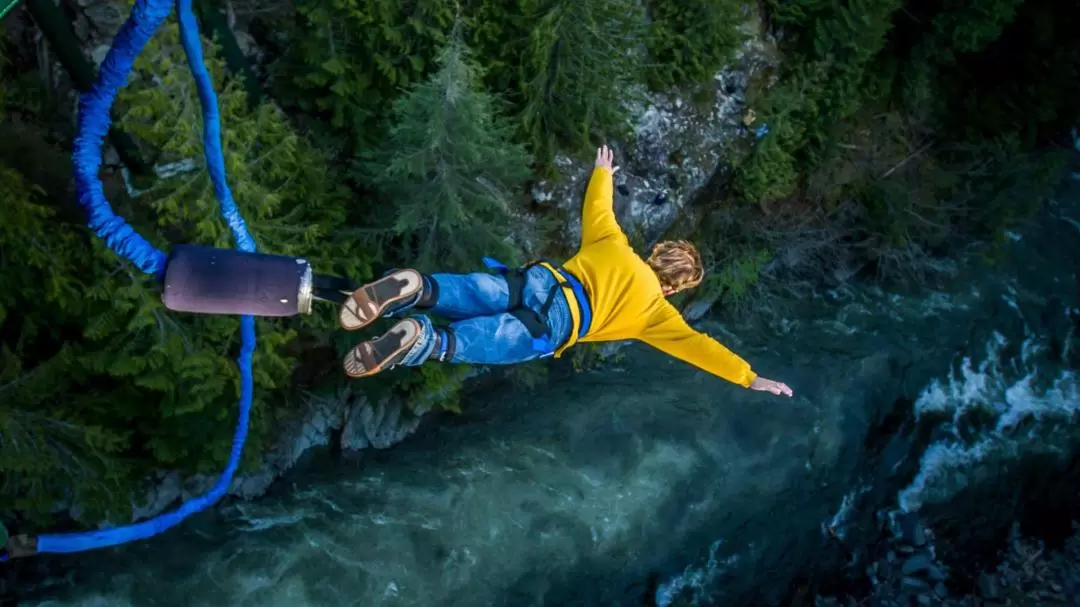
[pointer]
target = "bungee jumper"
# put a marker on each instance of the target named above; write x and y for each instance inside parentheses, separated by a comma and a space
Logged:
(605, 292)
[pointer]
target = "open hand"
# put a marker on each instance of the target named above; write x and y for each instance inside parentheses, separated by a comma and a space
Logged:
(775, 387)
(605, 158)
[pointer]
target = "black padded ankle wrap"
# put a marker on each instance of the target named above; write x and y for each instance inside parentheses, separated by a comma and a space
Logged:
(429, 293)
(451, 344)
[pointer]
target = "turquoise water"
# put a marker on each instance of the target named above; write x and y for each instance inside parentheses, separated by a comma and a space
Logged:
(651, 481)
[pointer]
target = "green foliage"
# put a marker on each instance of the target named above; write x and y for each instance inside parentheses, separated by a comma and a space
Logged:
(837, 45)
(590, 356)
(349, 58)
(579, 68)
(967, 27)
(689, 41)
(129, 386)
(732, 277)
(448, 169)
(900, 114)
(530, 375)
(498, 31)
(919, 120)
(568, 67)
(49, 451)
(292, 203)
(433, 385)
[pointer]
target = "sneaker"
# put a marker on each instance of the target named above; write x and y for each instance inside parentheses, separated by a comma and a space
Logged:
(371, 301)
(383, 352)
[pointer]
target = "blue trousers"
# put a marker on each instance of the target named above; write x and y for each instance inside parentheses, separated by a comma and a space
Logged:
(485, 333)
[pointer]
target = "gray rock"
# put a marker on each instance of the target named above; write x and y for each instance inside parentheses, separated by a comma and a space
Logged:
(81, 27)
(99, 53)
(380, 426)
(913, 583)
(918, 562)
(941, 590)
(924, 599)
(919, 536)
(935, 573)
(161, 495)
(110, 157)
(675, 151)
(988, 589)
(105, 18)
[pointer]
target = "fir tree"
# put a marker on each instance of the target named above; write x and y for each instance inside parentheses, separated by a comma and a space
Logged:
(689, 40)
(580, 68)
(448, 168)
(348, 59)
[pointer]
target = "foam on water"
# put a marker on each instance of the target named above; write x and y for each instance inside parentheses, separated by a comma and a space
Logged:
(1032, 405)
(696, 580)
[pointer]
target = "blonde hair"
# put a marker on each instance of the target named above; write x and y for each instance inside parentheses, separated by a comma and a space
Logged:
(677, 264)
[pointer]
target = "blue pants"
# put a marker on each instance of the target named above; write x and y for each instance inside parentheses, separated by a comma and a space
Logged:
(485, 332)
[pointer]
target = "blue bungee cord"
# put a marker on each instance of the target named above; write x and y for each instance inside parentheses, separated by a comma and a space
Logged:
(93, 125)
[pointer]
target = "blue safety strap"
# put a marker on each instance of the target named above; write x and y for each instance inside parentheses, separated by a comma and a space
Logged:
(93, 124)
(493, 264)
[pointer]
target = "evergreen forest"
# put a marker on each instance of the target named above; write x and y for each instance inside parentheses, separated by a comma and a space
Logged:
(372, 134)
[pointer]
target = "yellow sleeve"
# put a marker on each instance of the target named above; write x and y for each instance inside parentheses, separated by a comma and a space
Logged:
(598, 214)
(669, 333)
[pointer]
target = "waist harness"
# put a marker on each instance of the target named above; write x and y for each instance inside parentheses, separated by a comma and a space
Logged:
(536, 321)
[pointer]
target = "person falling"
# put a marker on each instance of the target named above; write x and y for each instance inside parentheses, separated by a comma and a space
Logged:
(605, 292)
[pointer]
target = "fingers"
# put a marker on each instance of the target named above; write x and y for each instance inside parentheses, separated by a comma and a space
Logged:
(604, 156)
(773, 387)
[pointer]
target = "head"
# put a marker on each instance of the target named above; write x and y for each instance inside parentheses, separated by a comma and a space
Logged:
(677, 264)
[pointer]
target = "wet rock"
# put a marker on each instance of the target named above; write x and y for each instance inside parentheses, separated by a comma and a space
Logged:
(110, 157)
(913, 583)
(918, 562)
(919, 536)
(380, 426)
(165, 492)
(104, 17)
(987, 586)
(99, 53)
(935, 573)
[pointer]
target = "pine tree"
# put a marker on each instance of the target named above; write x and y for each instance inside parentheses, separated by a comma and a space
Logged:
(350, 58)
(580, 68)
(689, 40)
(448, 168)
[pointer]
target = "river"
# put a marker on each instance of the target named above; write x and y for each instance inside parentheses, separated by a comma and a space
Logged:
(651, 483)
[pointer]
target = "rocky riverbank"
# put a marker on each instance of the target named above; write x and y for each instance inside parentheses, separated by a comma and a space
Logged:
(908, 572)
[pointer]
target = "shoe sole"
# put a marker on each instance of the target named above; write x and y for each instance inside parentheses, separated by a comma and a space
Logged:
(387, 350)
(370, 301)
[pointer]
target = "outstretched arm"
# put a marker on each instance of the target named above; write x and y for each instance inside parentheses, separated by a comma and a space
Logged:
(598, 213)
(670, 334)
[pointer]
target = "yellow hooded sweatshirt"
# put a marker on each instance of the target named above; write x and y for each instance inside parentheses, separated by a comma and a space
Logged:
(625, 295)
